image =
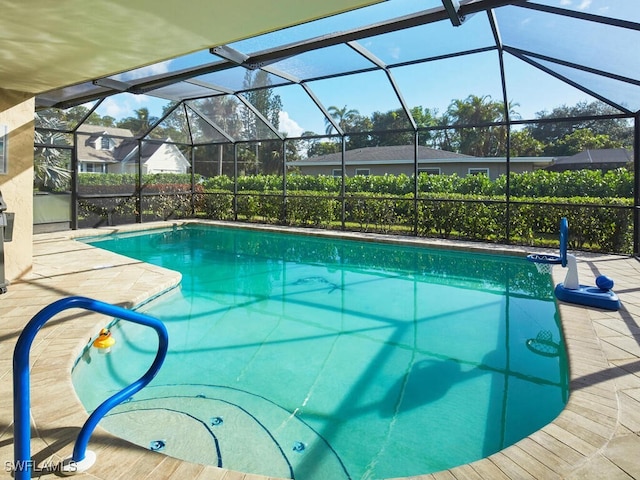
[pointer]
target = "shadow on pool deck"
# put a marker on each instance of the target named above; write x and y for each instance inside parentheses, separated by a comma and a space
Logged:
(596, 436)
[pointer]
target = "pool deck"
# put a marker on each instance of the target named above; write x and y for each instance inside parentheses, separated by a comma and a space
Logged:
(597, 435)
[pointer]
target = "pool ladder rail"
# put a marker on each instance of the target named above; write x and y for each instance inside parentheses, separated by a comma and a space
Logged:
(81, 459)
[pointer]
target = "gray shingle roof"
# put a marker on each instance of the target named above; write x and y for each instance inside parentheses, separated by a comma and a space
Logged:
(387, 153)
(597, 156)
(602, 159)
(99, 129)
(88, 135)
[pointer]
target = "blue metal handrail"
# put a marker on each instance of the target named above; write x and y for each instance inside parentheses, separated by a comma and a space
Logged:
(21, 395)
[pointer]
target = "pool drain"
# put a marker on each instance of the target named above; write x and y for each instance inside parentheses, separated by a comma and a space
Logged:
(157, 445)
(215, 421)
(299, 447)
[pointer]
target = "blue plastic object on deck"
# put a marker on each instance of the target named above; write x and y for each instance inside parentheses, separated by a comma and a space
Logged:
(600, 296)
(588, 295)
(564, 240)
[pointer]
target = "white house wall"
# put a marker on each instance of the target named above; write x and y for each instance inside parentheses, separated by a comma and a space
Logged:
(166, 159)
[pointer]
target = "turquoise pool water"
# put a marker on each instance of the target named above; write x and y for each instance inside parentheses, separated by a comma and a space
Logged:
(312, 358)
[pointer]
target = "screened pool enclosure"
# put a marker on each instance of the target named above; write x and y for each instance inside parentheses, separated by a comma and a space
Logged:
(485, 120)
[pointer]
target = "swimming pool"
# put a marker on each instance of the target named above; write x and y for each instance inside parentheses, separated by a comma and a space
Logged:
(312, 358)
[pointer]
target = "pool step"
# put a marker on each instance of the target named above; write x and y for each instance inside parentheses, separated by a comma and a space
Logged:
(228, 428)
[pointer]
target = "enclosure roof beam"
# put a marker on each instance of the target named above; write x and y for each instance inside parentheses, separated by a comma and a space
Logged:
(233, 58)
(453, 7)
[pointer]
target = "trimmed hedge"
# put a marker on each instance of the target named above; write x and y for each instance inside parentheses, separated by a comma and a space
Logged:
(540, 183)
(595, 224)
(598, 205)
(101, 179)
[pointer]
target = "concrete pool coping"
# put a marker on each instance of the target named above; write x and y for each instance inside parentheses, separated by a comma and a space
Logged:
(596, 436)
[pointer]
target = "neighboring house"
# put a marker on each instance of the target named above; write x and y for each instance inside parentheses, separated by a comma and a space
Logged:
(599, 159)
(155, 158)
(115, 150)
(399, 159)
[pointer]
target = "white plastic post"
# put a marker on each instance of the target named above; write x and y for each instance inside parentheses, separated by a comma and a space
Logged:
(571, 280)
(69, 467)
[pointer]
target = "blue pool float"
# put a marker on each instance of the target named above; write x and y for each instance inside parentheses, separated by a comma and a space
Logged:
(571, 291)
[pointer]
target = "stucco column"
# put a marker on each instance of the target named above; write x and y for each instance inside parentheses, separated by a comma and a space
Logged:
(16, 185)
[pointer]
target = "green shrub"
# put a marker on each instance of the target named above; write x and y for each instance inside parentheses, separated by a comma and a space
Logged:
(439, 214)
(379, 213)
(217, 206)
(271, 207)
(166, 206)
(578, 183)
(219, 183)
(313, 183)
(247, 206)
(312, 209)
(598, 205)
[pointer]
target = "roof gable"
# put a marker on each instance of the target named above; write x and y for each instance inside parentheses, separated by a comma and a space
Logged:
(101, 130)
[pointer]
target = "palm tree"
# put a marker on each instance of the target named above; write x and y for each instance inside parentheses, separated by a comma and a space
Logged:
(51, 169)
(473, 112)
(224, 111)
(343, 117)
(139, 124)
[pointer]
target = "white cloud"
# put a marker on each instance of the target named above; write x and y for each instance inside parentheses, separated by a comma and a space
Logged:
(289, 125)
(125, 104)
(582, 4)
(114, 108)
(585, 5)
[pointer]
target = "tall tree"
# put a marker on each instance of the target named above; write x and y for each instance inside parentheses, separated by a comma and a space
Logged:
(582, 115)
(344, 117)
(173, 126)
(480, 141)
(386, 123)
(317, 148)
(140, 124)
(426, 117)
(360, 123)
(223, 112)
(264, 100)
(524, 145)
(74, 115)
(269, 104)
(581, 140)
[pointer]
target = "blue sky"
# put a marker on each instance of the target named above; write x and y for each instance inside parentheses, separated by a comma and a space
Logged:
(436, 84)
(532, 89)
